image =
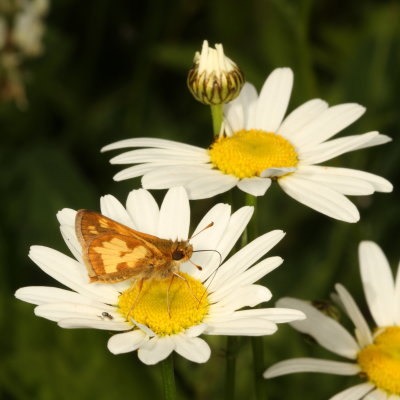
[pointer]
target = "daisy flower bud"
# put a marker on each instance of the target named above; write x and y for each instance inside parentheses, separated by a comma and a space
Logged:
(214, 78)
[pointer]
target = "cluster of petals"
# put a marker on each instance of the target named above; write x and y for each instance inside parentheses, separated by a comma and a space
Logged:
(230, 289)
(382, 293)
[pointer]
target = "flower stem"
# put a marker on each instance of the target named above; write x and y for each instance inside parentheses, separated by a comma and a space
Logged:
(217, 118)
(230, 368)
(168, 378)
(257, 344)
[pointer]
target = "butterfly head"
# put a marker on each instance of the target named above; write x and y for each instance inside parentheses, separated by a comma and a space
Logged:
(182, 251)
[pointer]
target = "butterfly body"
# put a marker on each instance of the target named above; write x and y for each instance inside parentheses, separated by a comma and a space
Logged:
(113, 252)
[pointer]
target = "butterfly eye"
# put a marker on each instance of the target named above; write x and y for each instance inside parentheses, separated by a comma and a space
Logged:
(178, 255)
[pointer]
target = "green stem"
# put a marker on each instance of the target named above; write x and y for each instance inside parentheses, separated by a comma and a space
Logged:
(230, 368)
(257, 344)
(217, 114)
(168, 378)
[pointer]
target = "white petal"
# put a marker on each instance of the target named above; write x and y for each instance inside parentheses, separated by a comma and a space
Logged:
(300, 117)
(236, 112)
(246, 257)
(319, 198)
(66, 217)
(47, 294)
(69, 235)
(364, 333)
(210, 185)
(255, 186)
(112, 208)
(281, 315)
(273, 100)
(152, 142)
(318, 173)
(376, 394)
(326, 331)
(155, 350)
(242, 327)
(376, 141)
(354, 393)
(161, 156)
(137, 170)
(71, 274)
(328, 123)
(196, 330)
(276, 172)
(194, 349)
(143, 210)
(296, 365)
(126, 342)
(338, 182)
(169, 176)
(333, 148)
(88, 323)
(174, 218)
(378, 284)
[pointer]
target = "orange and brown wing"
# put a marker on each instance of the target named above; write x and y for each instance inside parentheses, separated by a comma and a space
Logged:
(112, 258)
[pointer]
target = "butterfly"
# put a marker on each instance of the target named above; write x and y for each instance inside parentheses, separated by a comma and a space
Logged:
(113, 252)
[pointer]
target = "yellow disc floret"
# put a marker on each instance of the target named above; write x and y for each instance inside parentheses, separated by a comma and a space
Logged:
(247, 153)
(166, 308)
(380, 361)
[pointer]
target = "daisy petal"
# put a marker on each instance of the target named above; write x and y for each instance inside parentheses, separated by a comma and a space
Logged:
(376, 395)
(255, 186)
(112, 208)
(155, 350)
(71, 274)
(273, 100)
(143, 211)
(69, 235)
(300, 117)
(376, 141)
(126, 342)
(296, 365)
(174, 217)
(364, 333)
(338, 182)
(333, 148)
(47, 294)
(242, 327)
(66, 217)
(318, 173)
(210, 185)
(193, 349)
(136, 170)
(326, 331)
(235, 112)
(87, 323)
(328, 123)
(320, 198)
(378, 284)
(354, 393)
(152, 142)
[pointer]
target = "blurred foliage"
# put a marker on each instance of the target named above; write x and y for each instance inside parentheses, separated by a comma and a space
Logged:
(117, 69)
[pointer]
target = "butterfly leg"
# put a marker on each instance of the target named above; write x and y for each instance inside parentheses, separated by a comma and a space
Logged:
(187, 284)
(140, 286)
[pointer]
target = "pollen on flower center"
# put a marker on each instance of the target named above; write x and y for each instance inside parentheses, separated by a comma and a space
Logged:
(380, 361)
(166, 309)
(249, 152)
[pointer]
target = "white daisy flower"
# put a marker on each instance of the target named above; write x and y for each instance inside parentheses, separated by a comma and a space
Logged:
(259, 146)
(375, 355)
(210, 301)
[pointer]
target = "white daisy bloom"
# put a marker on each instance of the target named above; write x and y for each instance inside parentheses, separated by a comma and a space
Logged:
(210, 301)
(260, 146)
(374, 354)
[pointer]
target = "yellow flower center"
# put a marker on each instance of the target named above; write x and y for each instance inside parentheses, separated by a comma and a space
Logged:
(249, 152)
(380, 361)
(165, 309)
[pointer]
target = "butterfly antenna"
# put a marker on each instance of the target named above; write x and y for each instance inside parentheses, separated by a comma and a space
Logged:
(208, 226)
(212, 276)
(216, 251)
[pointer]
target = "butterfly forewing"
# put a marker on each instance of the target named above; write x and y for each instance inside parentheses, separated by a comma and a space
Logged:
(113, 252)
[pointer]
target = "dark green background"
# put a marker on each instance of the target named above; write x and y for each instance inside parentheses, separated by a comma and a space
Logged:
(117, 69)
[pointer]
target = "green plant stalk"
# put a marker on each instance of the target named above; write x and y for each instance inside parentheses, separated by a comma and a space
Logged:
(217, 114)
(230, 372)
(257, 345)
(168, 378)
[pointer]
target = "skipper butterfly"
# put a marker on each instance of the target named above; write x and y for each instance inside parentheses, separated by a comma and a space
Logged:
(112, 252)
